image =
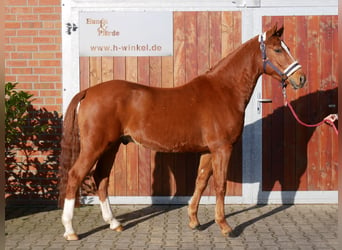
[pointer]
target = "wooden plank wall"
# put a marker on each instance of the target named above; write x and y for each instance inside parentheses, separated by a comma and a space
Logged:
(201, 39)
(296, 157)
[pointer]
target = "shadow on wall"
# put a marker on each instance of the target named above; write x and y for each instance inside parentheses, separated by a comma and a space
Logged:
(285, 153)
(294, 157)
(32, 150)
(175, 173)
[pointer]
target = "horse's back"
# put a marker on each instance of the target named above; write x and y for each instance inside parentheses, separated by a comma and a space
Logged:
(133, 97)
(146, 114)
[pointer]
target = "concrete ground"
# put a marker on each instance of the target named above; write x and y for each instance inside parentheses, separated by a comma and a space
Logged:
(166, 227)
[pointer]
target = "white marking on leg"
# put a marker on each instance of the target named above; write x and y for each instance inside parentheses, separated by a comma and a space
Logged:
(68, 213)
(108, 215)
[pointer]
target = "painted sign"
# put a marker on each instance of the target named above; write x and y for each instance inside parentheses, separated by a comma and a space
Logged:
(126, 33)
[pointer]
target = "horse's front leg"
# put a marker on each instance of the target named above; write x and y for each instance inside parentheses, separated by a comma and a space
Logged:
(204, 172)
(220, 160)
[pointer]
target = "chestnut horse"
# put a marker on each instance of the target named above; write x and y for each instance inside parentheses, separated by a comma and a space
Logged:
(205, 115)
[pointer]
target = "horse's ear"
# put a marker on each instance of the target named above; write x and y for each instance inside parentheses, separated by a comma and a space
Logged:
(272, 31)
(279, 32)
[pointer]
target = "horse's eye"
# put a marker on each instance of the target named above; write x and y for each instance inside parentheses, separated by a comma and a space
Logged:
(278, 50)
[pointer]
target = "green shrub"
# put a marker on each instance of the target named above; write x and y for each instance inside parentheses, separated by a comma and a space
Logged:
(32, 145)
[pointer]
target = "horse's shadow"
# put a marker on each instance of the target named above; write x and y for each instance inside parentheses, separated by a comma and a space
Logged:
(317, 105)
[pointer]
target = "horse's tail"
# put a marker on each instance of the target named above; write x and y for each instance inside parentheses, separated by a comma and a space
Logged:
(70, 146)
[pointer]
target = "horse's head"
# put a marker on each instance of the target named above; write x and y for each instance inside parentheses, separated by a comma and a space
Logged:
(278, 61)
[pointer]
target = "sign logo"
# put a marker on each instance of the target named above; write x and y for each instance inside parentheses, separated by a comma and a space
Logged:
(126, 33)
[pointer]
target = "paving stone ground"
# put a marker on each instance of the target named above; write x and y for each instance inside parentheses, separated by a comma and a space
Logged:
(166, 227)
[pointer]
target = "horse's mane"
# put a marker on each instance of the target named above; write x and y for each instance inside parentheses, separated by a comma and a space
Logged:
(230, 56)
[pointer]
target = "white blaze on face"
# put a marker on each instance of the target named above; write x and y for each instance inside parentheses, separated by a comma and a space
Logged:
(283, 45)
(293, 67)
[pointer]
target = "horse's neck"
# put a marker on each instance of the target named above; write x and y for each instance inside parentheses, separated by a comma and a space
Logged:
(239, 71)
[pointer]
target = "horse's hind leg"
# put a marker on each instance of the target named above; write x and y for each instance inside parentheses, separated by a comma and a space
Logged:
(75, 176)
(204, 172)
(101, 177)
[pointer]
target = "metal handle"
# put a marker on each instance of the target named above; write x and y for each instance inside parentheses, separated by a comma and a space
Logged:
(260, 101)
(264, 100)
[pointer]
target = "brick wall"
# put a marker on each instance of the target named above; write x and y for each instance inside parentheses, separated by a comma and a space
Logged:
(33, 49)
(33, 59)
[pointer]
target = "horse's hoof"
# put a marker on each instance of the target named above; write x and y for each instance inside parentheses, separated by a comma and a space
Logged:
(194, 227)
(197, 228)
(118, 229)
(71, 237)
(227, 232)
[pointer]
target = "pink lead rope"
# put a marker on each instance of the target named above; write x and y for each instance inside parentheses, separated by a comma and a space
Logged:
(325, 120)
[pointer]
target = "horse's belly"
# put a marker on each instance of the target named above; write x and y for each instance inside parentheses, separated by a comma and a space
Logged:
(169, 143)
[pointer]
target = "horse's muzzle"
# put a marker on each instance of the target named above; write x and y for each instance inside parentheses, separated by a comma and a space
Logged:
(299, 82)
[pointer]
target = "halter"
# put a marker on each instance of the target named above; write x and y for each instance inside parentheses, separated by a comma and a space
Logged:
(292, 68)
